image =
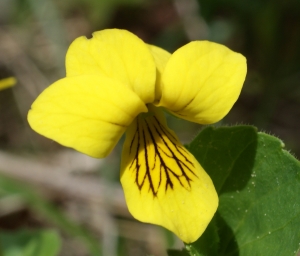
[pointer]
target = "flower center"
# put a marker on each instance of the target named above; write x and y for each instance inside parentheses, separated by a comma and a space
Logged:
(156, 158)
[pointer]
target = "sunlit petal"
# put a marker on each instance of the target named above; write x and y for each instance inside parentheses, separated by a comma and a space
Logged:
(163, 183)
(7, 82)
(117, 54)
(161, 58)
(202, 81)
(89, 113)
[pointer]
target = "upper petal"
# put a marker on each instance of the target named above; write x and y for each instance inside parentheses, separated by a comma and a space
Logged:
(163, 182)
(88, 113)
(202, 81)
(119, 55)
(161, 58)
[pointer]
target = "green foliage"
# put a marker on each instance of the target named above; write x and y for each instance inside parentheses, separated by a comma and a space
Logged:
(49, 212)
(258, 183)
(178, 253)
(30, 243)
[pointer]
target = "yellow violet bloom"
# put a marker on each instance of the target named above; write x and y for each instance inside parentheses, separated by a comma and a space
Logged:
(116, 83)
(7, 82)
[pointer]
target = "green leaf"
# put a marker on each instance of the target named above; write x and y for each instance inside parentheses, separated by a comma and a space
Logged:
(258, 183)
(30, 243)
(178, 253)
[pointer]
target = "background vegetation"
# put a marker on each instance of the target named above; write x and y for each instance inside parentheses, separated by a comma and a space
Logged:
(51, 195)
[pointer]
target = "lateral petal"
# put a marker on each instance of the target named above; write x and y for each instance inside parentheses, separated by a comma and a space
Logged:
(202, 81)
(163, 182)
(119, 55)
(88, 113)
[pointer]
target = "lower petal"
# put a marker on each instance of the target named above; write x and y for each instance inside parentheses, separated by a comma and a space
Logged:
(163, 182)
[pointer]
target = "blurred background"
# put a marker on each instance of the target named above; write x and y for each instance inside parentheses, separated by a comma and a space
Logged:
(55, 201)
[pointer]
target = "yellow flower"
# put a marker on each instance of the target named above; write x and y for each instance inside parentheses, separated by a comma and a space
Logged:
(7, 82)
(116, 83)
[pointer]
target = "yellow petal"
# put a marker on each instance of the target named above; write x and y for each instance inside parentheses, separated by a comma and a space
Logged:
(88, 113)
(119, 55)
(202, 81)
(7, 82)
(161, 58)
(163, 183)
